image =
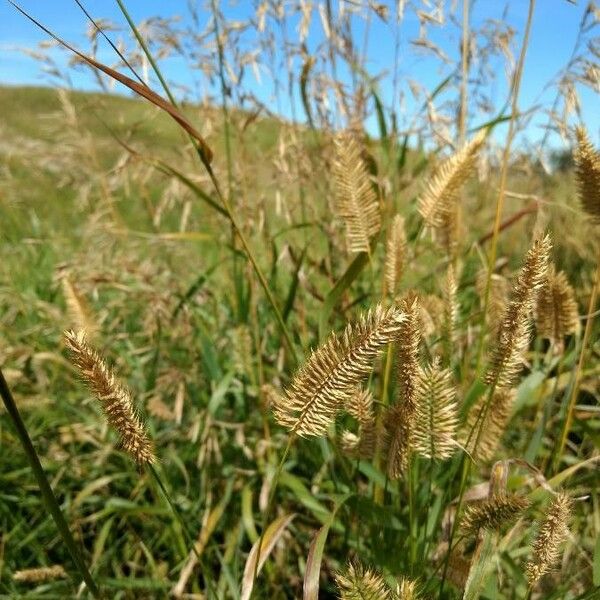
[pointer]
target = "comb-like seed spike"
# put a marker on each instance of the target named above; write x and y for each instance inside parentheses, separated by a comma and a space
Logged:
(514, 332)
(115, 399)
(330, 375)
(438, 204)
(587, 162)
(553, 532)
(356, 202)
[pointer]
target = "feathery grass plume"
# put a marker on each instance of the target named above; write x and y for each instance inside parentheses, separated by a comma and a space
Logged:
(498, 298)
(553, 531)
(400, 417)
(587, 162)
(450, 296)
(77, 308)
(330, 375)
(493, 513)
(40, 574)
(395, 255)
(359, 583)
(436, 419)
(489, 428)
(438, 204)
(355, 199)
(114, 398)
(514, 332)
(557, 314)
(360, 406)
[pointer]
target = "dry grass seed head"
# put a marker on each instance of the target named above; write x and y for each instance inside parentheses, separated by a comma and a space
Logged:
(587, 162)
(407, 589)
(436, 419)
(552, 533)
(450, 296)
(483, 431)
(493, 513)
(356, 202)
(395, 256)
(557, 314)
(514, 332)
(357, 582)
(40, 574)
(400, 418)
(360, 406)
(438, 204)
(77, 308)
(114, 398)
(330, 375)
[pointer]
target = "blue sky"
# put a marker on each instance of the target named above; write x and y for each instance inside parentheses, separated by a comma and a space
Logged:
(554, 31)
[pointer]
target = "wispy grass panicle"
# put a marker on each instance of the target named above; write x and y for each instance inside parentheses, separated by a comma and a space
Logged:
(552, 533)
(400, 418)
(356, 201)
(493, 513)
(557, 314)
(438, 204)
(514, 332)
(436, 419)
(587, 161)
(357, 582)
(395, 256)
(114, 398)
(330, 375)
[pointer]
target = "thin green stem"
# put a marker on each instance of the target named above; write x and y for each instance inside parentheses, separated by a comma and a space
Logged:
(48, 496)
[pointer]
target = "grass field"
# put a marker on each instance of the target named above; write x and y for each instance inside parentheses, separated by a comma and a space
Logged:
(444, 446)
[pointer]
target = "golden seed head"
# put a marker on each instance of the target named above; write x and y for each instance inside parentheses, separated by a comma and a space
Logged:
(436, 417)
(557, 314)
(400, 418)
(359, 583)
(356, 202)
(40, 574)
(438, 204)
(395, 255)
(450, 296)
(329, 377)
(77, 308)
(360, 406)
(587, 162)
(484, 428)
(493, 513)
(552, 533)
(114, 398)
(514, 332)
